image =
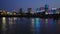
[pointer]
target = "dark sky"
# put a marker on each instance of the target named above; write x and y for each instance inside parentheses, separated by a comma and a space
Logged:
(16, 4)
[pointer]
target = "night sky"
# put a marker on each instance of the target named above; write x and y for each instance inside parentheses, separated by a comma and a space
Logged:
(9, 5)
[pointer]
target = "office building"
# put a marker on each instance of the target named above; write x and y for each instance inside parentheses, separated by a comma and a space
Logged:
(58, 11)
(29, 10)
(20, 11)
(53, 10)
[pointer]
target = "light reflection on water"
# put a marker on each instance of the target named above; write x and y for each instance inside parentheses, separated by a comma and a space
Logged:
(17, 25)
(4, 25)
(32, 24)
(37, 25)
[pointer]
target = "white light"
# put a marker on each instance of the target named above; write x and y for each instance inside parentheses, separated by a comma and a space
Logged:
(46, 21)
(3, 24)
(15, 18)
(46, 13)
(7, 12)
(54, 8)
(3, 19)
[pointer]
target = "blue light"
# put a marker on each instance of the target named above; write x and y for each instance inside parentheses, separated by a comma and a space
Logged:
(37, 22)
(37, 25)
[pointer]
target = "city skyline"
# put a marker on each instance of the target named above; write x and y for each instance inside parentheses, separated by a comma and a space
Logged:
(9, 5)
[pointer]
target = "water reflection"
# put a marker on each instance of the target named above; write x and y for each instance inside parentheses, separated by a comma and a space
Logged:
(12, 25)
(17, 25)
(4, 25)
(37, 25)
(50, 28)
(32, 25)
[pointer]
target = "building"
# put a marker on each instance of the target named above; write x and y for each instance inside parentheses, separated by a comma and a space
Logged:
(58, 11)
(37, 10)
(53, 10)
(14, 12)
(29, 10)
(46, 8)
(48, 12)
(42, 9)
(20, 11)
(3, 12)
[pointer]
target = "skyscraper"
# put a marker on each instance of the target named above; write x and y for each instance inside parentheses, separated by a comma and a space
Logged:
(37, 10)
(54, 10)
(29, 10)
(46, 6)
(20, 11)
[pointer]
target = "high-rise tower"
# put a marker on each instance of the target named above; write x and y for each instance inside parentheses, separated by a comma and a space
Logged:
(29, 10)
(46, 6)
(20, 11)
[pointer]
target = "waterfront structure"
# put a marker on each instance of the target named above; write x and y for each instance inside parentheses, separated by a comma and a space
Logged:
(53, 10)
(46, 8)
(14, 12)
(42, 10)
(48, 12)
(58, 11)
(3, 12)
(20, 11)
(29, 10)
(9, 13)
(37, 10)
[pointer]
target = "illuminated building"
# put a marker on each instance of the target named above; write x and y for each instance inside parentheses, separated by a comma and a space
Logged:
(20, 11)
(42, 9)
(58, 11)
(37, 10)
(29, 10)
(48, 12)
(46, 8)
(14, 12)
(54, 10)
(3, 12)
(9, 13)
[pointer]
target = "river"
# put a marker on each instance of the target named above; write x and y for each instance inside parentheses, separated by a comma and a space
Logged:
(17, 25)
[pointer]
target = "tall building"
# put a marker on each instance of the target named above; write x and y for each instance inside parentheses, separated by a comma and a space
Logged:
(54, 10)
(29, 10)
(20, 11)
(46, 7)
(58, 11)
(42, 9)
(37, 10)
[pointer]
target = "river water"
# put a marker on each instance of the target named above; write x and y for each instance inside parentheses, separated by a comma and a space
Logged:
(17, 25)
